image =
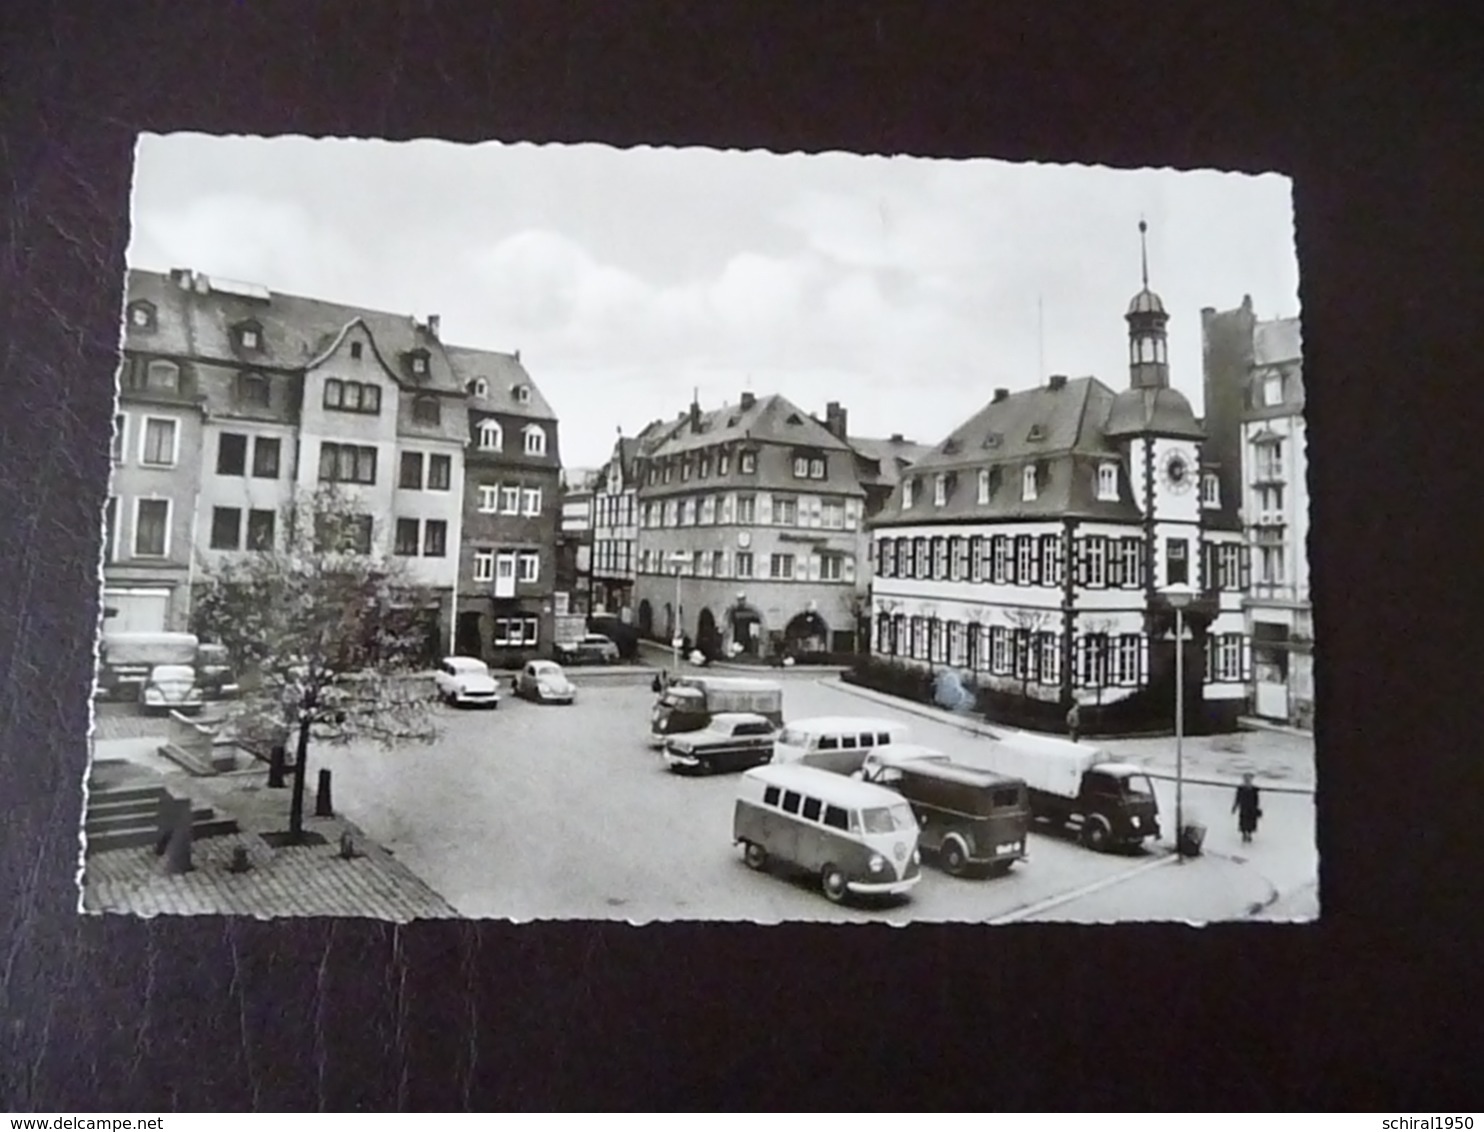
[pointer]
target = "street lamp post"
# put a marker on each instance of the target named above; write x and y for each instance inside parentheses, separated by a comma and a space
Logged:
(678, 559)
(1179, 596)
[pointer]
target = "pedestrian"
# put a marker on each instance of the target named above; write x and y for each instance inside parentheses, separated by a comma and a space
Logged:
(1074, 722)
(1248, 807)
(657, 685)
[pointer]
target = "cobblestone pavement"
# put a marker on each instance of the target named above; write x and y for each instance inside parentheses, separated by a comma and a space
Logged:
(1276, 759)
(310, 880)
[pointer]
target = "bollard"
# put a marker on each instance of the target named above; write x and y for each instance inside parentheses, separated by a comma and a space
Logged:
(348, 850)
(240, 862)
(322, 805)
(178, 854)
(276, 759)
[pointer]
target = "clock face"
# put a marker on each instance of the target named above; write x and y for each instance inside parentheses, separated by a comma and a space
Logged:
(1177, 472)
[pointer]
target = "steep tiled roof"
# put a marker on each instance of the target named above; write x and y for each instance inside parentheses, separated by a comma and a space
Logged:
(502, 374)
(770, 419)
(1058, 430)
(888, 457)
(1161, 410)
(1278, 340)
(295, 330)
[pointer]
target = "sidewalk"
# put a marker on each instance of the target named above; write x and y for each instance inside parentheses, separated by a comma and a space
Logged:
(306, 880)
(664, 656)
(1277, 760)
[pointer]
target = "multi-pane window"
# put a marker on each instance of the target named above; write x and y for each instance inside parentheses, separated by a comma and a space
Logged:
(1028, 483)
(747, 463)
(1229, 566)
(746, 509)
(785, 511)
(261, 527)
(1131, 550)
(347, 463)
(1270, 564)
(908, 493)
(266, 454)
(831, 567)
(958, 558)
(957, 645)
(530, 498)
(226, 528)
(903, 552)
(1108, 482)
(816, 468)
(255, 390)
(940, 490)
(833, 515)
(529, 566)
(708, 510)
(514, 632)
(158, 445)
(489, 498)
(162, 377)
(426, 410)
(1051, 560)
(700, 563)
(1093, 655)
(509, 500)
(1025, 559)
(1224, 658)
(490, 436)
(1095, 562)
(435, 538)
(231, 454)
(688, 512)
(982, 480)
(407, 537)
(1050, 657)
(1002, 563)
(781, 566)
(1267, 459)
(352, 396)
(744, 563)
(719, 563)
(410, 477)
(535, 441)
(999, 650)
(1210, 490)
(724, 464)
(484, 565)
(1126, 666)
(347, 534)
(801, 467)
(940, 558)
(440, 473)
(1177, 562)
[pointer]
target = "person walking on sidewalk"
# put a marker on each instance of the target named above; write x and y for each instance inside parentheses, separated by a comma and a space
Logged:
(1074, 722)
(1248, 807)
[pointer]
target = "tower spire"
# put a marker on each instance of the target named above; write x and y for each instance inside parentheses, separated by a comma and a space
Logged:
(1144, 250)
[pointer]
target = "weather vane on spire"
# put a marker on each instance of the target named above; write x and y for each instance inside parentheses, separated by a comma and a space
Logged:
(1144, 250)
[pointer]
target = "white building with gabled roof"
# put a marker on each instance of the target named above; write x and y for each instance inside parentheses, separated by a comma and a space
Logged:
(1031, 547)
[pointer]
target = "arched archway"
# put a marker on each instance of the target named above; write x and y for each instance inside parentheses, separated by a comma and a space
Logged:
(748, 635)
(708, 637)
(806, 632)
(646, 618)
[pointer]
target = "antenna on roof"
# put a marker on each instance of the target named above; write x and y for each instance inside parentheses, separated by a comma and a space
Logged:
(1144, 250)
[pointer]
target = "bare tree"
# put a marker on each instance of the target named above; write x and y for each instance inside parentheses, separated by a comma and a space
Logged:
(326, 633)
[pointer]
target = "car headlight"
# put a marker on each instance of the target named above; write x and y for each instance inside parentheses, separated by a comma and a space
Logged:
(876, 863)
(917, 856)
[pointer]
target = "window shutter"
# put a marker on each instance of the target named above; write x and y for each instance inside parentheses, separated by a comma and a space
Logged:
(1245, 673)
(1035, 561)
(1210, 658)
(852, 513)
(814, 567)
(1079, 561)
(764, 509)
(847, 568)
(1246, 561)
(816, 512)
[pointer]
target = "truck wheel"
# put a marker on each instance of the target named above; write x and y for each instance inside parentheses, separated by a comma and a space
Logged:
(832, 880)
(955, 860)
(755, 856)
(1097, 834)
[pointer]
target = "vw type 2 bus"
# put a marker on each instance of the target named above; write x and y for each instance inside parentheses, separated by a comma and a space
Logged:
(856, 838)
(836, 743)
(972, 820)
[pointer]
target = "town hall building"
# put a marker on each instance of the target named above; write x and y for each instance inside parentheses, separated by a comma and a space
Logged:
(1033, 547)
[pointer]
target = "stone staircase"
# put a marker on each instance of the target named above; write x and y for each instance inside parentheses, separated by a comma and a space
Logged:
(126, 816)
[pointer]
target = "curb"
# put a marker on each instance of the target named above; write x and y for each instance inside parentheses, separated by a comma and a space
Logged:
(984, 730)
(728, 666)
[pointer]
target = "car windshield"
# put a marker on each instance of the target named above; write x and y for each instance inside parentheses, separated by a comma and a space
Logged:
(1138, 784)
(173, 672)
(471, 667)
(887, 819)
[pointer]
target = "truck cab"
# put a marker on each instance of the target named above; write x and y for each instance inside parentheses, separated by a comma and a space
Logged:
(1116, 806)
(688, 703)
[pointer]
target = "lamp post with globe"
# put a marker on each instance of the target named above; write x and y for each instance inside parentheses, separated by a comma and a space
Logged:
(1179, 596)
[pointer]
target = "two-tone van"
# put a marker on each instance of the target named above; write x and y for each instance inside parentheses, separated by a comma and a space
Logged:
(972, 820)
(856, 838)
(838, 743)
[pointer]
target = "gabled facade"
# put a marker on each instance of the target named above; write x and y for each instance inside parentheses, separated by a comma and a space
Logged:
(754, 512)
(512, 507)
(156, 446)
(616, 522)
(1032, 546)
(574, 574)
(1255, 398)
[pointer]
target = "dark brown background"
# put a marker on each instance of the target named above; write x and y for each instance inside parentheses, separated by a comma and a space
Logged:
(1378, 119)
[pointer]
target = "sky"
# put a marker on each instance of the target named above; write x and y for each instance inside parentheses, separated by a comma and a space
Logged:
(907, 289)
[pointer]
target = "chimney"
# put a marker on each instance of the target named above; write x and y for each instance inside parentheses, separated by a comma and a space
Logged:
(748, 401)
(517, 355)
(203, 284)
(1208, 312)
(1058, 381)
(433, 321)
(834, 420)
(896, 438)
(1000, 395)
(181, 277)
(695, 416)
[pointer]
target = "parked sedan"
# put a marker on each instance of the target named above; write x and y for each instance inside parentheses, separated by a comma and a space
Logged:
(594, 648)
(464, 681)
(545, 682)
(171, 687)
(732, 741)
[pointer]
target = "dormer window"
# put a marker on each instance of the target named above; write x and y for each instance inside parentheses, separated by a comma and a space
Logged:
(249, 335)
(908, 493)
(801, 467)
(253, 389)
(417, 362)
(1108, 483)
(993, 440)
(705, 466)
(951, 446)
(984, 486)
(940, 490)
(1028, 484)
(816, 468)
(522, 394)
(794, 419)
(142, 316)
(1272, 390)
(161, 376)
(535, 440)
(747, 463)
(491, 436)
(481, 388)
(1036, 433)
(724, 464)
(426, 410)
